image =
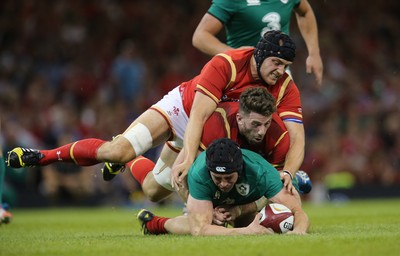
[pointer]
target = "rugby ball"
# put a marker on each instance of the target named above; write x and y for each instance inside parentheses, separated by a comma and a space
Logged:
(277, 217)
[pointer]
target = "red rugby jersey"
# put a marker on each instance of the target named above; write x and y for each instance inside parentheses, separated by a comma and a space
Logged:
(228, 74)
(223, 124)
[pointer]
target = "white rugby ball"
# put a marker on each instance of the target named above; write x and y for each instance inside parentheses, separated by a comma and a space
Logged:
(277, 217)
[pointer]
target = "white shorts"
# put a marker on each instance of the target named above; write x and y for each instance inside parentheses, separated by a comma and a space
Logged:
(170, 106)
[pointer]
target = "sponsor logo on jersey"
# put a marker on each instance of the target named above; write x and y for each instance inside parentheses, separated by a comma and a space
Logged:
(243, 189)
(254, 2)
(217, 195)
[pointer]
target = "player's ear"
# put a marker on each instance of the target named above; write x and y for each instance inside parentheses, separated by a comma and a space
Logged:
(239, 117)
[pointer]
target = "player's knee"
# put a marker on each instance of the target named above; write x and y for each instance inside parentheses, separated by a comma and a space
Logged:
(140, 138)
(152, 196)
(195, 231)
(116, 151)
(154, 191)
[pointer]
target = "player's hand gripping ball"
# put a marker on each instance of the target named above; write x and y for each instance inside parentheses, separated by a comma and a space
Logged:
(277, 217)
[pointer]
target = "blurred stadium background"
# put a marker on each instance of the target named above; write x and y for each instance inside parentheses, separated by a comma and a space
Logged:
(64, 66)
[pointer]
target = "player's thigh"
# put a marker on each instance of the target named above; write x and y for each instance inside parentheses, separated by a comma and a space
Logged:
(147, 131)
(153, 123)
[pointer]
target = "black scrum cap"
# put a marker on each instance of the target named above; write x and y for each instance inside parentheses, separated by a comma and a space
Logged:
(224, 156)
(274, 43)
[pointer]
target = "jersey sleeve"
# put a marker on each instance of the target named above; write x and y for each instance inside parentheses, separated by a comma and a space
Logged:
(198, 180)
(216, 127)
(216, 77)
(289, 104)
(278, 139)
(266, 177)
(271, 181)
(278, 155)
(222, 10)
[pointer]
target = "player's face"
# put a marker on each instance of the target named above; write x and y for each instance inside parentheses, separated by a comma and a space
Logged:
(253, 126)
(273, 68)
(224, 182)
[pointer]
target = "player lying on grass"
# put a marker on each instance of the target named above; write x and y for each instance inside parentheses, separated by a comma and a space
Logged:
(223, 78)
(224, 183)
(252, 122)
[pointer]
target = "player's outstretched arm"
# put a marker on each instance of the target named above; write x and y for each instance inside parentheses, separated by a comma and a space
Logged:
(293, 202)
(201, 216)
(307, 24)
(295, 155)
(202, 108)
(204, 37)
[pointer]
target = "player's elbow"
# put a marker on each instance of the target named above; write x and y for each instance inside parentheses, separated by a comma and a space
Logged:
(301, 222)
(199, 229)
(197, 40)
(195, 231)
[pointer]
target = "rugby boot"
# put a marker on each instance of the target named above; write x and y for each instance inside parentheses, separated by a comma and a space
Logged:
(110, 170)
(23, 157)
(304, 182)
(145, 216)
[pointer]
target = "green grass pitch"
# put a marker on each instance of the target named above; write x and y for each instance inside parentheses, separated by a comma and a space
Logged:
(366, 227)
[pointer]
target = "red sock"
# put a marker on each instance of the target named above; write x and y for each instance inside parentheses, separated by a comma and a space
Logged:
(140, 167)
(81, 152)
(156, 225)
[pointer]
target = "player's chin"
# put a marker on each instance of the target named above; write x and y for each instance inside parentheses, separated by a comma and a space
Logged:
(272, 79)
(226, 190)
(255, 141)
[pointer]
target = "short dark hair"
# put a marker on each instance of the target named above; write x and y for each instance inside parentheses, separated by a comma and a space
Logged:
(258, 100)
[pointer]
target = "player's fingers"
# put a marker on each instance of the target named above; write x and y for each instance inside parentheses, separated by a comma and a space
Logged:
(257, 218)
(286, 183)
(218, 222)
(291, 189)
(296, 233)
(175, 185)
(182, 175)
(308, 69)
(318, 77)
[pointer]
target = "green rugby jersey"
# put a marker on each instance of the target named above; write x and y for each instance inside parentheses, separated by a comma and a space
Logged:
(246, 21)
(259, 178)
